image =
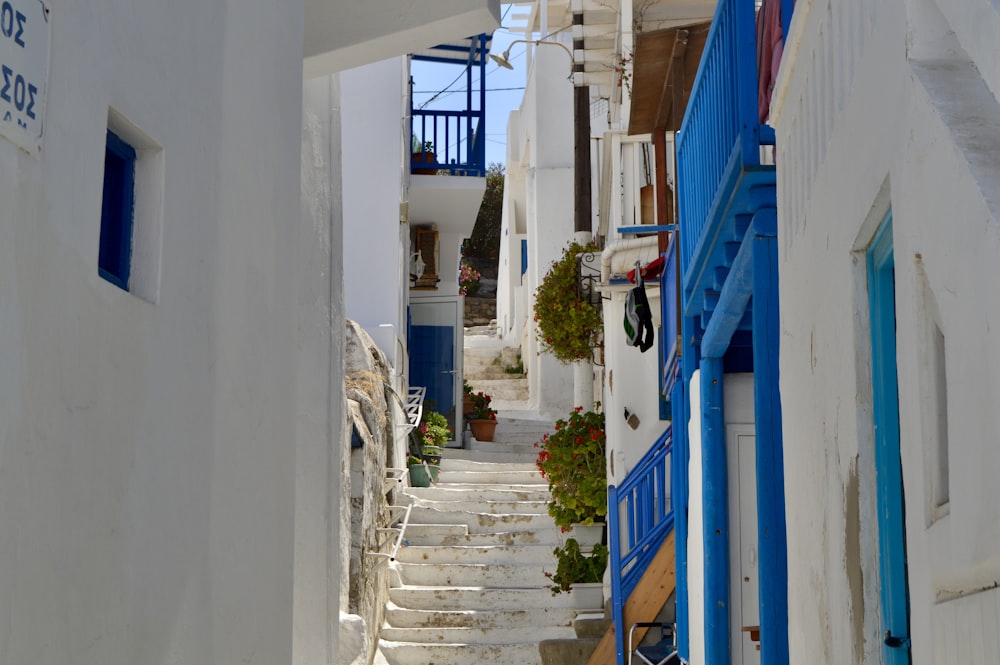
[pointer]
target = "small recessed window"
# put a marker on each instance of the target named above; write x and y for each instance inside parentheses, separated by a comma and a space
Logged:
(117, 212)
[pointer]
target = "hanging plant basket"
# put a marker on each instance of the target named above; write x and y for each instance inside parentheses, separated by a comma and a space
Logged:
(568, 327)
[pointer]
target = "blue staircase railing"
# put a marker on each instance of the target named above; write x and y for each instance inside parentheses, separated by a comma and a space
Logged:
(720, 134)
(643, 502)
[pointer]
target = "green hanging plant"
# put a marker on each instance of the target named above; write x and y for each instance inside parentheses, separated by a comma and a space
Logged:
(575, 567)
(568, 327)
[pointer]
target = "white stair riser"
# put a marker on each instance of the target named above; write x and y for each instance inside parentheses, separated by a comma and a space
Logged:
(477, 598)
(449, 463)
(442, 493)
(520, 618)
(519, 554)
(460, 654)
(480, 522)
(548, 537)
(513, 635)
(484, 477)
(505, 507)
(484, 575)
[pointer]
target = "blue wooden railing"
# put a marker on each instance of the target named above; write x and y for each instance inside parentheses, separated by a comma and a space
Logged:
(720, 134)
(643, 502)
(455, 141)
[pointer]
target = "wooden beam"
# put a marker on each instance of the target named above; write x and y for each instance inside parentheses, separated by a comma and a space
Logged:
(653, 590)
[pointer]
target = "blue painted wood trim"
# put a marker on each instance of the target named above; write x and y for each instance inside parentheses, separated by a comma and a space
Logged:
(888, 470)
(732, 304)
(771, 536)
(647, 228)
(679, 496)
(617, 601)
(715, 507)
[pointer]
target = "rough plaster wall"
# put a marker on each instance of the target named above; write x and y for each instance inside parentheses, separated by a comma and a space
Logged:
(367, 378)
(861, 118)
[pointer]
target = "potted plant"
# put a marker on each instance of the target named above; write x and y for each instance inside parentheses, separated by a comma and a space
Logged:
(568, 328)
(572, 459)
(468, 280)
(580, 573)
(419, 474)
(423, 152)
(482, 419)
(466, 398)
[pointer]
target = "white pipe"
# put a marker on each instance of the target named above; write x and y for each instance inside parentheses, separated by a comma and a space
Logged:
(621, 245)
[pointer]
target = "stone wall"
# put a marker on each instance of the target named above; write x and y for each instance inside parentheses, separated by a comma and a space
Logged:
(480, 311)
(371, 444)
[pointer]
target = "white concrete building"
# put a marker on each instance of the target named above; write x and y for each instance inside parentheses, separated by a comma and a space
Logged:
(171, 452)
(887, 120)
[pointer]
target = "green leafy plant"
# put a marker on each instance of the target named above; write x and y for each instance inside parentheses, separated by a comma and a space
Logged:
(575, 567)
(481, 409)
(466, 387)
(434, 430)
(413, 460)
(572, 460)
(568, 327)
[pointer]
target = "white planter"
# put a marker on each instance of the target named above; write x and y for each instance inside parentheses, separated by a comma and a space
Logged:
(586, 536)
(587, 596)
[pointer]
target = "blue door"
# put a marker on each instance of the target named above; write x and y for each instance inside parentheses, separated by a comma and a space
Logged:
(890, 500)
(433, 335)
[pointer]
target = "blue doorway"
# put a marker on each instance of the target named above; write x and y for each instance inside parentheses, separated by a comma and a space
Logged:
(890, 500)
(434, 360)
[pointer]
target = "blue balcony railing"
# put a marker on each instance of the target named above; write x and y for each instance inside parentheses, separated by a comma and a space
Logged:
(720, 134)
(452, 141)
(642, 500)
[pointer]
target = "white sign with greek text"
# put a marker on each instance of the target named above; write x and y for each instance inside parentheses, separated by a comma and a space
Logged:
(24, 71)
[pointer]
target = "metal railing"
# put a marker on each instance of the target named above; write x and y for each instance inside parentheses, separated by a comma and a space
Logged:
(720, 133)
(643, 501)
(452, 141)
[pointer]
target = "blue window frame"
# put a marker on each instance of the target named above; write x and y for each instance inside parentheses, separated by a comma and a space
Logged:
(117, 212)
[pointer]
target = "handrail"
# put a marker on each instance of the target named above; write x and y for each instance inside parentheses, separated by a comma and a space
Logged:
(455, 141)
(720, 131)
(649, 517)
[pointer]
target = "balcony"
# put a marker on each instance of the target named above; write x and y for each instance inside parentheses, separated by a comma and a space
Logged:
(448, 160)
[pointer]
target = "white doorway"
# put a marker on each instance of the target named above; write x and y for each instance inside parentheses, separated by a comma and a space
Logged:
(744, 613)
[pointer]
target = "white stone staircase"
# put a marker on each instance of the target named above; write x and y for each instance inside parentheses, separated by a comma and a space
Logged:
(469, 585)
(486, 365)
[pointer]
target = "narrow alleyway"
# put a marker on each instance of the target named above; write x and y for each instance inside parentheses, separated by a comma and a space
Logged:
(471, 584)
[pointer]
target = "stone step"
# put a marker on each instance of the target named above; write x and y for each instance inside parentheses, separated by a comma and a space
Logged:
(490, 635)
(480, 506)
(449, 463)
(520, 618)
(411, 653)
(496, 454)
(493, 477)
(477, 598)
(548, 537)
(450, 493)
(481, 522)
(502, 389)
(476, 554)
(490, 575)
(524, 450)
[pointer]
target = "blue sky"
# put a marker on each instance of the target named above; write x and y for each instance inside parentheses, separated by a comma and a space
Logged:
(504, 88)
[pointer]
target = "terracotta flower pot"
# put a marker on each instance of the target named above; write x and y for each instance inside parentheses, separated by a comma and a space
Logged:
(467, 405)
(484, 429)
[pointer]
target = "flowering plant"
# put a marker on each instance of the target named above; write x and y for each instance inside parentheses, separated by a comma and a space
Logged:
(572, 460)
(481, 409)
(468, 280)
(568, 327)
(575, 567)
(434, 430)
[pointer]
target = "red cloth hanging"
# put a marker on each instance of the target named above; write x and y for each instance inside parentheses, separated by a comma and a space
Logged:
(651, 270)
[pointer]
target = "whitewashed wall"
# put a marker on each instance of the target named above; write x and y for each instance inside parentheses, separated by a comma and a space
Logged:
(880, 105)
(541, 183)
(147, 494)
(373, 143)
